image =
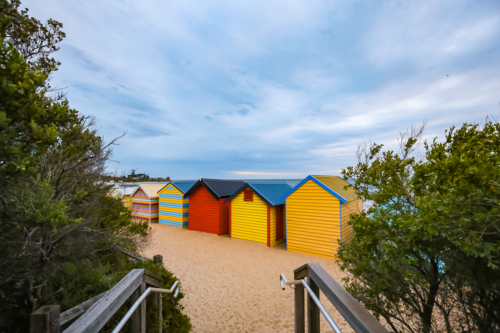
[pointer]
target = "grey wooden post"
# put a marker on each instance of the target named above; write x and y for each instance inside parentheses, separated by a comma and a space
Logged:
(143, 309)
(138, 318)
(160, 310)
(156, 281)
(157, 301)
(135, 319)
(299, 309)
(312, 309)
(158, 259)
(45, 319)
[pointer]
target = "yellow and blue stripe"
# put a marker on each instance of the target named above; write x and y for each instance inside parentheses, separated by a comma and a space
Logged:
(173, 206)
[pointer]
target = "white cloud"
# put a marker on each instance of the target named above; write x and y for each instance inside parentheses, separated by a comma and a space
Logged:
(288, 87)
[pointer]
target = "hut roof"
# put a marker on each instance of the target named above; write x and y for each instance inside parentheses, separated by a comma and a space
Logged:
(184, 185)
(151, 190)
(321, 184)
(337, 184)
(219, 188)
(181, 185)
(269, 190)
(124, 190)
(291, 182)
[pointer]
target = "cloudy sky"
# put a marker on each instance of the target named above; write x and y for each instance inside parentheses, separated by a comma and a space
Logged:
(272, 89)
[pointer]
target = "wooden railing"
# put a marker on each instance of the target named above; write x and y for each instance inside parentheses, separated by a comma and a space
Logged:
(91, 315)
(360, 320)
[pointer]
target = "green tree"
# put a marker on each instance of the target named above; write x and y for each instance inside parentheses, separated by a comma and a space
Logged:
(58, 229)
(425, 256)
(34, 40)
(28, 120)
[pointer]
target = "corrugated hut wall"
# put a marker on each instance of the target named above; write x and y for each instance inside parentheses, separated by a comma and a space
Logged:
(354, 203)
(127, 201)
(354, 206)
(313, 221)
(253, 219)
(204, 211)
(249, 218)
(173, 207)
(144, 208)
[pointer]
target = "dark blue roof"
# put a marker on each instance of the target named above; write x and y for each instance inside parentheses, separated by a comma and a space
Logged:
(183, 185)
(270, 190)
(219, 188)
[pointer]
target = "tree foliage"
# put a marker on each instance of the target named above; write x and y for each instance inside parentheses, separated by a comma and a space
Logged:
(58, 229)
(34, 40)
(28, 120)
(425, 256)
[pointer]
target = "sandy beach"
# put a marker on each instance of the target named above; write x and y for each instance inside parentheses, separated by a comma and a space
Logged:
(232, 285)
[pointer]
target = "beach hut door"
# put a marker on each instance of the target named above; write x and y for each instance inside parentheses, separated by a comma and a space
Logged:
(279, 222)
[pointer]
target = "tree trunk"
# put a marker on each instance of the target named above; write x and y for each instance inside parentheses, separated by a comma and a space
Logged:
(431, 299)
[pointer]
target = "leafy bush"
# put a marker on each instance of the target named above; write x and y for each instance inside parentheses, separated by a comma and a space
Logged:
(426, 255)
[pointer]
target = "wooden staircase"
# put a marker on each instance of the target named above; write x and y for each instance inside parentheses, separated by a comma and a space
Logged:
(91, 315)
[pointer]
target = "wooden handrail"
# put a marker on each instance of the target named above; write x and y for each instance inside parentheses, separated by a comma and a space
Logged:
(153, 279)
(78, 310)
(99, 313)
(96, 311)
(360, 319)
(130, 253)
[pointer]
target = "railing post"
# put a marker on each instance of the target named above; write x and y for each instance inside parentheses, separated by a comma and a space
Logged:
(138, 318)
(300, 321)
(156, 300)
(312, 309)
(158, 259)
(156, 281)
(143, 309)
(45, 319)
(160, 311)
(299, 309)
(135, 319)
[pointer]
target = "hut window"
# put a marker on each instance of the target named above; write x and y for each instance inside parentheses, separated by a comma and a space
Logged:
(248, 195)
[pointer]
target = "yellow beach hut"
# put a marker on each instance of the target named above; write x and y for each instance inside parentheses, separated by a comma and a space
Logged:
(256, 212)
(173, 205)
(124, 192)
(317, 212)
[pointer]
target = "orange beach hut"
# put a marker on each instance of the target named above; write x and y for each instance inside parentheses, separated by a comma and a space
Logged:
(207, 211)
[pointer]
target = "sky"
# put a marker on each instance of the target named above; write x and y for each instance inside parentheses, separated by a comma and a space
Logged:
(272, 89)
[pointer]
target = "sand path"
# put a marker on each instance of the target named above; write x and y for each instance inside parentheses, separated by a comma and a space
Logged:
(232, 285)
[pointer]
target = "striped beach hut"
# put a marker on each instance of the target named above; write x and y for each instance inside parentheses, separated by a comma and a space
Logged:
(173, 205)
(257, 212)
(317, 212)
(207, 211)
(145, 202)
